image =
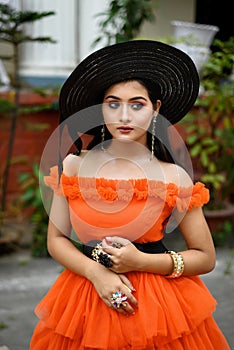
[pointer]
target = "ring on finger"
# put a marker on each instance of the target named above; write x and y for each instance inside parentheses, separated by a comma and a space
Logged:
(118, 300)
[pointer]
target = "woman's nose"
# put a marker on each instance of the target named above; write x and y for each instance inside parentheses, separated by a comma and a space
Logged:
(125, 115)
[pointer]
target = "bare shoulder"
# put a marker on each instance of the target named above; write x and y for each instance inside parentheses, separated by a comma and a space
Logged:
(177, 175)
(71, 164)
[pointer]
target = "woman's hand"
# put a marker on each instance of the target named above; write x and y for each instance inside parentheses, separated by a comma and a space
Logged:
(107, 283)
(125, 257)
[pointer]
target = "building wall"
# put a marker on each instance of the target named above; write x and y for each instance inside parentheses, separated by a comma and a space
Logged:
(165, 12)
(74, 27)
(51, 60)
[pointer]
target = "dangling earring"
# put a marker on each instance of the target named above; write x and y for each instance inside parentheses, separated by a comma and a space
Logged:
(103, 137)
(153, 137)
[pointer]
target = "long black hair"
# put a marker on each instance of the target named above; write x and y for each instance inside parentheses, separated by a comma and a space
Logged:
(162, 148)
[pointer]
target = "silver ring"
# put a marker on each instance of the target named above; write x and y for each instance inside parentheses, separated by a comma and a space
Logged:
(118, 300)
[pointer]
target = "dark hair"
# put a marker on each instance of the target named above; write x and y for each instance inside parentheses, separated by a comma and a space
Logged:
(162, 149)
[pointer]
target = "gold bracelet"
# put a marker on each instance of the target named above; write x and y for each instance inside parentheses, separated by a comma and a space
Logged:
(178, 264)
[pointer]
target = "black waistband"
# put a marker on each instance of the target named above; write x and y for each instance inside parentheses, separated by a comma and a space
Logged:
(149, 248)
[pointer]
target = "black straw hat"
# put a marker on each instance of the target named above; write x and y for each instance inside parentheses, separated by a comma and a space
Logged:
(172, 70)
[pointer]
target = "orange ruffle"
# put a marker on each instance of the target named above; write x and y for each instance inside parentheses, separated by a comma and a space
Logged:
(111, 190)
(171, 314)
(53, 180)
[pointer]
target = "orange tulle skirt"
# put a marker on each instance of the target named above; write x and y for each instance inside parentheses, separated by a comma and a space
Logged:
(171, 315)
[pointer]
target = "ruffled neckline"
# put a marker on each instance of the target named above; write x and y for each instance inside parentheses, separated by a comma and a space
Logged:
(112, 190)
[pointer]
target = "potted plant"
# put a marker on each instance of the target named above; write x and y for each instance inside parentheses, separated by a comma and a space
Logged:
(123, 20)
(195, 39)
(12, 32)
(22, 119)
(209, 132)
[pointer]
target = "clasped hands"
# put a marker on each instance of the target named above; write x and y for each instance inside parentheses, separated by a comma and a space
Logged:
(124, 255)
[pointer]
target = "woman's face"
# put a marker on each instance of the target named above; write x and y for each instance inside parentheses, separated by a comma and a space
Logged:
(128, 111)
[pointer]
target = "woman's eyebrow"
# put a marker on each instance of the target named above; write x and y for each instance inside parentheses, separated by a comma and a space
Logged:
(131, 99)
(112, 96)
(138, 98)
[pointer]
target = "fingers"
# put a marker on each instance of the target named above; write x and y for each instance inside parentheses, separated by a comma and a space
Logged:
(127, 309)
(111, 251)
(120, 302)
(129, 287)
(116, 241)
(126, 282)
(131, 299)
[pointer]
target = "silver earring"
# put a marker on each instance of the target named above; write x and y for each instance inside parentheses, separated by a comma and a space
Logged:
(103, 137)
(153, 137)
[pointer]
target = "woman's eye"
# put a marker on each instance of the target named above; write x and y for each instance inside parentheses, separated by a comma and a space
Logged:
(137, 106)
(113, 105)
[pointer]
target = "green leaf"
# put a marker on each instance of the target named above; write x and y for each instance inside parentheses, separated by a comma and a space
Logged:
(27, 195)
(23, 177)
(208, 141)
(195, 150)
(191, 128)
(212, 167)
(123, 20)
(36, 127)
(191, 139)
(212, 150)
(204, 159)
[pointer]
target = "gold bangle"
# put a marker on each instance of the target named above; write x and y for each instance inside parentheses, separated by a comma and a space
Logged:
(178, 264)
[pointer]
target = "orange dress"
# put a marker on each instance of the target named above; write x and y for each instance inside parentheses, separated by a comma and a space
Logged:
(172, 314)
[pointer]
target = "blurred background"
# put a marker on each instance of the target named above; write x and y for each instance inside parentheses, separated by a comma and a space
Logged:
(42, 41)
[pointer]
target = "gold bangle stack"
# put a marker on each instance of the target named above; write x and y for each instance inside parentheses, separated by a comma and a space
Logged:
(178, 264)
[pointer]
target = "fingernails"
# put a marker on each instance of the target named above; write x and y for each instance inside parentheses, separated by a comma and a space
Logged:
(108, 240)
(129, 289)
(130, 314)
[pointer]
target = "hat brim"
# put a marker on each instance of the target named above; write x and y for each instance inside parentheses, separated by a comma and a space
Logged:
(172, 69)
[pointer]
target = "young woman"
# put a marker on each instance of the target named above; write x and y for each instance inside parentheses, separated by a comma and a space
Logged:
(125, 290)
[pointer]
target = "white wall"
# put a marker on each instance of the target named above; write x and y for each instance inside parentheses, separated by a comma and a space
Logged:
(51, 59)
(74, 26)
(165, 12)
(88, 24)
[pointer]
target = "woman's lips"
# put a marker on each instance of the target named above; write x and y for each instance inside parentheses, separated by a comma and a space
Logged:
(125, 129)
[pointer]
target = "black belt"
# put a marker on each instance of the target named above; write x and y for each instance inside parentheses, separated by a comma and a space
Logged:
(93, 250)
(151, 247)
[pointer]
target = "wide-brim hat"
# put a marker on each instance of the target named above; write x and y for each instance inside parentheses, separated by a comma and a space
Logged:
(172, 70)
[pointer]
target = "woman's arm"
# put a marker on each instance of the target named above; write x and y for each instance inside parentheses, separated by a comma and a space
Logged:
(199, 258)
(60, 247)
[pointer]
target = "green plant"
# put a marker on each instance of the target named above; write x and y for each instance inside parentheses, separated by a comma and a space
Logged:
(210, 125)
(11, 32)
(31, 187)
(31, 198)
(227, 162)
(3, 325)
(123, 19)
(224, 232)
(190, 40)
(5, 106)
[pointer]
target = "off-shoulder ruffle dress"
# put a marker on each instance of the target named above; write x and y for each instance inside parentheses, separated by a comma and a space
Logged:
(173, 314)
